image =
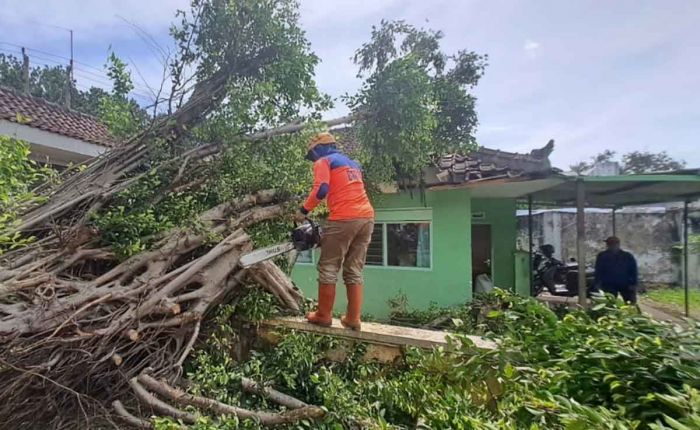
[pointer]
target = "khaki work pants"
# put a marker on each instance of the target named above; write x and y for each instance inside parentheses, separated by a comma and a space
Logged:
(344, 244)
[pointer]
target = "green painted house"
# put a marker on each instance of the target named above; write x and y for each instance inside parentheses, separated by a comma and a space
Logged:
(431, 245)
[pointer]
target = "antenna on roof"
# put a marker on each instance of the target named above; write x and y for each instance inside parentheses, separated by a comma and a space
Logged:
(69, 79)
(25, 71)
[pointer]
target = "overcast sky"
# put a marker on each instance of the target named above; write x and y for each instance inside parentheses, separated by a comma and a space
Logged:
(593, 75)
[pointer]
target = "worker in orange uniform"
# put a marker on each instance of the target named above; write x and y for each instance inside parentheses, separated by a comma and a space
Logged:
(347, 233)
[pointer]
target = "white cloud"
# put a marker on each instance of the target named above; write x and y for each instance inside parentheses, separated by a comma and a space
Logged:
(606, 81)
(531, 45)
(328, 13)
(98, 17)
(97, 26)
(493, 128)
(531, 48)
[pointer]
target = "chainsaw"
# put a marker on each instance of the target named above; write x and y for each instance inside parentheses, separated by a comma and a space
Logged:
(302, 238)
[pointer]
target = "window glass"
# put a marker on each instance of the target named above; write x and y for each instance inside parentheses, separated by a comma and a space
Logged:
(305, 257)
(375, 251)
(408, 245)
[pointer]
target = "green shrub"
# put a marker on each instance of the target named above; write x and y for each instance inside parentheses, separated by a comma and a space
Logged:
(18, 174)
(610, 368)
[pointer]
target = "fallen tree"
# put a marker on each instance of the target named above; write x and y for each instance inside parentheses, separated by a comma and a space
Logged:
(80, 326)
(74, 333)
(134, 252)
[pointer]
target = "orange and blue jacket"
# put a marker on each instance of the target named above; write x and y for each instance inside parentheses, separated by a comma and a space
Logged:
(338, 178)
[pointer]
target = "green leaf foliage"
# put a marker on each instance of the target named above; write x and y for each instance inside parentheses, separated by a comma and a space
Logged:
(415, 103)
(122, 115)
(18, 174)
(610, 368)
(280, 91)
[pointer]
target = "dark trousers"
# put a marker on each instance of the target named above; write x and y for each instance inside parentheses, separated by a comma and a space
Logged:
(628, 293)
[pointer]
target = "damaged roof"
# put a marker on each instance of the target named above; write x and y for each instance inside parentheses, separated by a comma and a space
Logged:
(482, 164)
(39, 113)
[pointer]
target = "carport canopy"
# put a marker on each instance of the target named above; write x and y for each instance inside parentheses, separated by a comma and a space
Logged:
(601, 192)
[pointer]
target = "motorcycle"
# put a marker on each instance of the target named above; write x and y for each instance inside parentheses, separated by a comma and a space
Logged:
(559, 278)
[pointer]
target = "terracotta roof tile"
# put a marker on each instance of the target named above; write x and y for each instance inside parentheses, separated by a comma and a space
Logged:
(480, 164)
(47, 116)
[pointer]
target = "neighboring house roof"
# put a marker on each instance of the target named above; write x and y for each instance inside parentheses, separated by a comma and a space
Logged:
(478, 165)
(38, 113)
(487, 164)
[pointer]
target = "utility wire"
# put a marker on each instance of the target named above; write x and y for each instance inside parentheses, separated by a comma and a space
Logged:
(100, 78)
(61, 57)
(109, 84)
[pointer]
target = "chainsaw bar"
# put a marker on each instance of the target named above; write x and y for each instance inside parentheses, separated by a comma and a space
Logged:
(263, 254)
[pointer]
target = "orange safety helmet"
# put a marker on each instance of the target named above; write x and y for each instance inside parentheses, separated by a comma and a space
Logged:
(324, 138)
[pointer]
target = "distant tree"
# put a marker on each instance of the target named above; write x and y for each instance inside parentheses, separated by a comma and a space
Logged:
(632, 162)
(49, 83)
(10, 72)
(604, 156)
(122, 114)
(646, 162)
(89, 101)
(46, 82)
(581, 167)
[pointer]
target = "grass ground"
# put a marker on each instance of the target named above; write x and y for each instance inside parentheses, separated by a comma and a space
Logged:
(674, 299)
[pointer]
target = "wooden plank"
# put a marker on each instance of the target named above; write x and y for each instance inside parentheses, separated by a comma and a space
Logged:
(378, 333)
(557, 299)
(570, 302)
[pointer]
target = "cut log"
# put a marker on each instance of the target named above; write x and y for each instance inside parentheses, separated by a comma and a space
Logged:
(302, 412)
(270, 393)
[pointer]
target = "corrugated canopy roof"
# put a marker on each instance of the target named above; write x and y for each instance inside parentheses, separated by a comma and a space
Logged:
(601, 191)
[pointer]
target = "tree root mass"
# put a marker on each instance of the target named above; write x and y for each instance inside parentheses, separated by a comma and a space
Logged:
(79, 343)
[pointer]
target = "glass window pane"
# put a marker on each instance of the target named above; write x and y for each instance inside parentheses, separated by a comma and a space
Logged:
(305, 257)
(375, 251)
(408, 244)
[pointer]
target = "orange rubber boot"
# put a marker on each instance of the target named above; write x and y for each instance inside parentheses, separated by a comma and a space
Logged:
(351, 320)
(326, 298)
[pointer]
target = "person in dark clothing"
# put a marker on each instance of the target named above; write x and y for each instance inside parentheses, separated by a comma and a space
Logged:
(616, 271)
(546, 255)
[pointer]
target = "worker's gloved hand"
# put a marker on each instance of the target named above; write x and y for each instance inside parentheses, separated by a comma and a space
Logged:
(299, 216)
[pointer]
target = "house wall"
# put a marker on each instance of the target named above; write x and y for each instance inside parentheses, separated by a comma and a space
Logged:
(50, 147)
(448, 281)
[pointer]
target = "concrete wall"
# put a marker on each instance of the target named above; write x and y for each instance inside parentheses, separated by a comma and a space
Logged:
(448, 281)
(649, 233)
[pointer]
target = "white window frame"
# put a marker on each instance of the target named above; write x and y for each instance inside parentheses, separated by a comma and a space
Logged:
(396, 216)
(385, 247)
(308, 263)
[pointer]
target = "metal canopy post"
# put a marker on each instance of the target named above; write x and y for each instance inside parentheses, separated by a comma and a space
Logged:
(580, 241)
(530, 245)
(685, 257)
(614, 224)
